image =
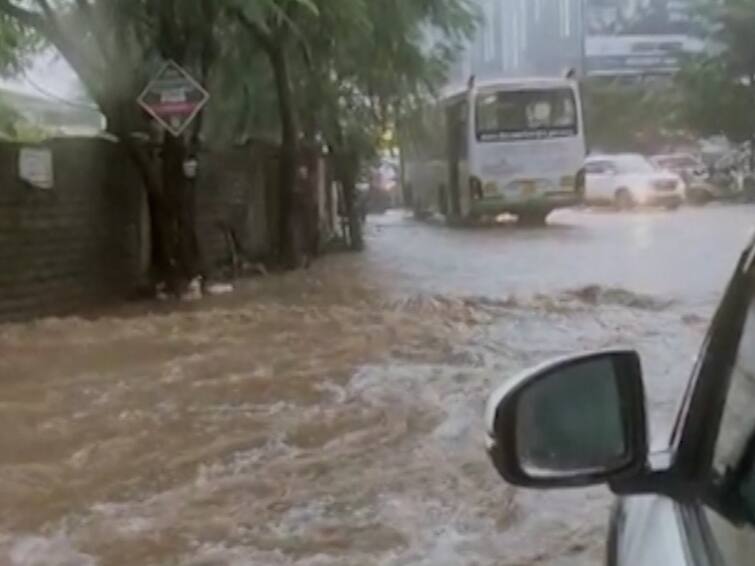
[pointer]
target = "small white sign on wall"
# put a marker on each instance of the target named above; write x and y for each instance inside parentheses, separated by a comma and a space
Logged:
(35, 167)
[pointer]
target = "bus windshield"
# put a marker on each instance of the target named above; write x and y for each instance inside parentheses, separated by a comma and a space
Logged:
(526, 114)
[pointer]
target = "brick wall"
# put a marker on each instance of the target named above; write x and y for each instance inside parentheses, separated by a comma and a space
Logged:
(86, 241)
(76, 244)
(236, 188)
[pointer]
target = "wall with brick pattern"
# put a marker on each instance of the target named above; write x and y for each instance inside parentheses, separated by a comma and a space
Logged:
(76, 244)
(85, 242)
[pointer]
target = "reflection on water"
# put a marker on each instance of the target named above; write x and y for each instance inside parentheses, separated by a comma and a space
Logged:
(309, 420)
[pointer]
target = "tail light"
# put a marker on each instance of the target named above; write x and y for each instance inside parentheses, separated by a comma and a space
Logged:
(475, 188)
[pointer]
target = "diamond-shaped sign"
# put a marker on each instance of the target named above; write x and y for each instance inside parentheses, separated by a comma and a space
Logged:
(173, 98)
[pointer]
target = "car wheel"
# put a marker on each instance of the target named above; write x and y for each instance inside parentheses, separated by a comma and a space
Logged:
(533, 218)
(624, 200)
(699, 197)
(673, 205)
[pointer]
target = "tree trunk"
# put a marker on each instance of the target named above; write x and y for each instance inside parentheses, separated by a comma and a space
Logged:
(289, 154)
(347, 170)
(179, 214)
(171, 204)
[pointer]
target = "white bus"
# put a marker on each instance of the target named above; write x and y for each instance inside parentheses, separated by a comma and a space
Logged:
(509, 146)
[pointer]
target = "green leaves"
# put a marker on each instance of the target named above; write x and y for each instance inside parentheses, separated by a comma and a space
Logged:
(356, 65)
(17, 44)
(366, 59)
(719, 88)
(622, 115)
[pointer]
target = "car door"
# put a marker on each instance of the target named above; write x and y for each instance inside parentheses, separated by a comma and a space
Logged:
(716, 453)
(727, 517)
(708, 519)
(599, 180)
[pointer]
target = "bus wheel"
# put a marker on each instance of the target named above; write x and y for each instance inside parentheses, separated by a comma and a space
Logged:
(533, 218)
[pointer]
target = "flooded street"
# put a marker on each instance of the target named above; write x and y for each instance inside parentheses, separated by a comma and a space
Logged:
(334, 417)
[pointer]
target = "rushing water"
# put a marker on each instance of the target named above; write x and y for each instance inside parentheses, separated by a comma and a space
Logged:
(313, 419)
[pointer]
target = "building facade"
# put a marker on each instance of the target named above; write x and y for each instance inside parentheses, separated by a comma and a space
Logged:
(639, 37)
(595, 37)
(524, 38)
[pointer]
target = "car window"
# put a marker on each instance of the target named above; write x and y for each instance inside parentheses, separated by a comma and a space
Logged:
(598, 167)
(682, 162)
(634, 164)
(734, 457)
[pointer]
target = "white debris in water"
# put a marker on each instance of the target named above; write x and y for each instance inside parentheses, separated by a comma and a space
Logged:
(41, 551)
(218, 289)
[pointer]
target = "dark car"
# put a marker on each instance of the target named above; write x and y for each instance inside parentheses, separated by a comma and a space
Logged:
(581, 421)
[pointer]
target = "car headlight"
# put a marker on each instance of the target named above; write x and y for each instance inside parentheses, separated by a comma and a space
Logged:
(666, 185)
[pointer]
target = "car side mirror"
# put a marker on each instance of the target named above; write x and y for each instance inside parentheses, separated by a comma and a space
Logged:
(571, 423)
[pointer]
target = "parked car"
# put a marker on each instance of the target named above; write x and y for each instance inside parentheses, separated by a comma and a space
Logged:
(694, 173)
(628, 180)
(581, 421)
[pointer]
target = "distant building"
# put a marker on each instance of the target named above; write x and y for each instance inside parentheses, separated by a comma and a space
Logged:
(595, 37)
(52, 117)
(521, 38)
(639, 37)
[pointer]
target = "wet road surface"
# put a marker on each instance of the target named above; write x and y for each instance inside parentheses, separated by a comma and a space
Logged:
(334, 416)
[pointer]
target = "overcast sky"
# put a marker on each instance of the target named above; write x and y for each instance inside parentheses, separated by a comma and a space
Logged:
(48, 77)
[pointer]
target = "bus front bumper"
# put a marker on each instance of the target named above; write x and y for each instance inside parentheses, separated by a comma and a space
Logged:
(547, 201)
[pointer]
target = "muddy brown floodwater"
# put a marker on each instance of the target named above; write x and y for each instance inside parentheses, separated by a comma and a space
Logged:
(326, 418)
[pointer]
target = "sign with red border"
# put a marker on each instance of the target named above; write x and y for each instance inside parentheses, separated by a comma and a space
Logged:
(173, 98)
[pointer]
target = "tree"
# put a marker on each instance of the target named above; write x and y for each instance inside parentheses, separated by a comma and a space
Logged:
(631, 116)
(719, 86)
(274, 27)
(714, 103)
(341, 70)
(17, 43)
(358, 83)
(8, 118)
(113, 46)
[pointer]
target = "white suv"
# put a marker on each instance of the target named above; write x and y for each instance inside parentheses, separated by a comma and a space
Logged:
(628, 180)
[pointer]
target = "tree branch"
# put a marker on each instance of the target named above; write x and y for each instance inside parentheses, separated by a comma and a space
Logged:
(258, 32)
(46, 9)
(25, 17)
(48, 25)
(86, 11)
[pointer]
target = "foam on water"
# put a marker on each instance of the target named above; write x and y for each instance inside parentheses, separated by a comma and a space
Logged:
(42, 551)
(314, 433)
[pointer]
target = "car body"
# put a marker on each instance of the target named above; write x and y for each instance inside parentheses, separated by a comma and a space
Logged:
(690, 504)
(694, 173)
(628, 180)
